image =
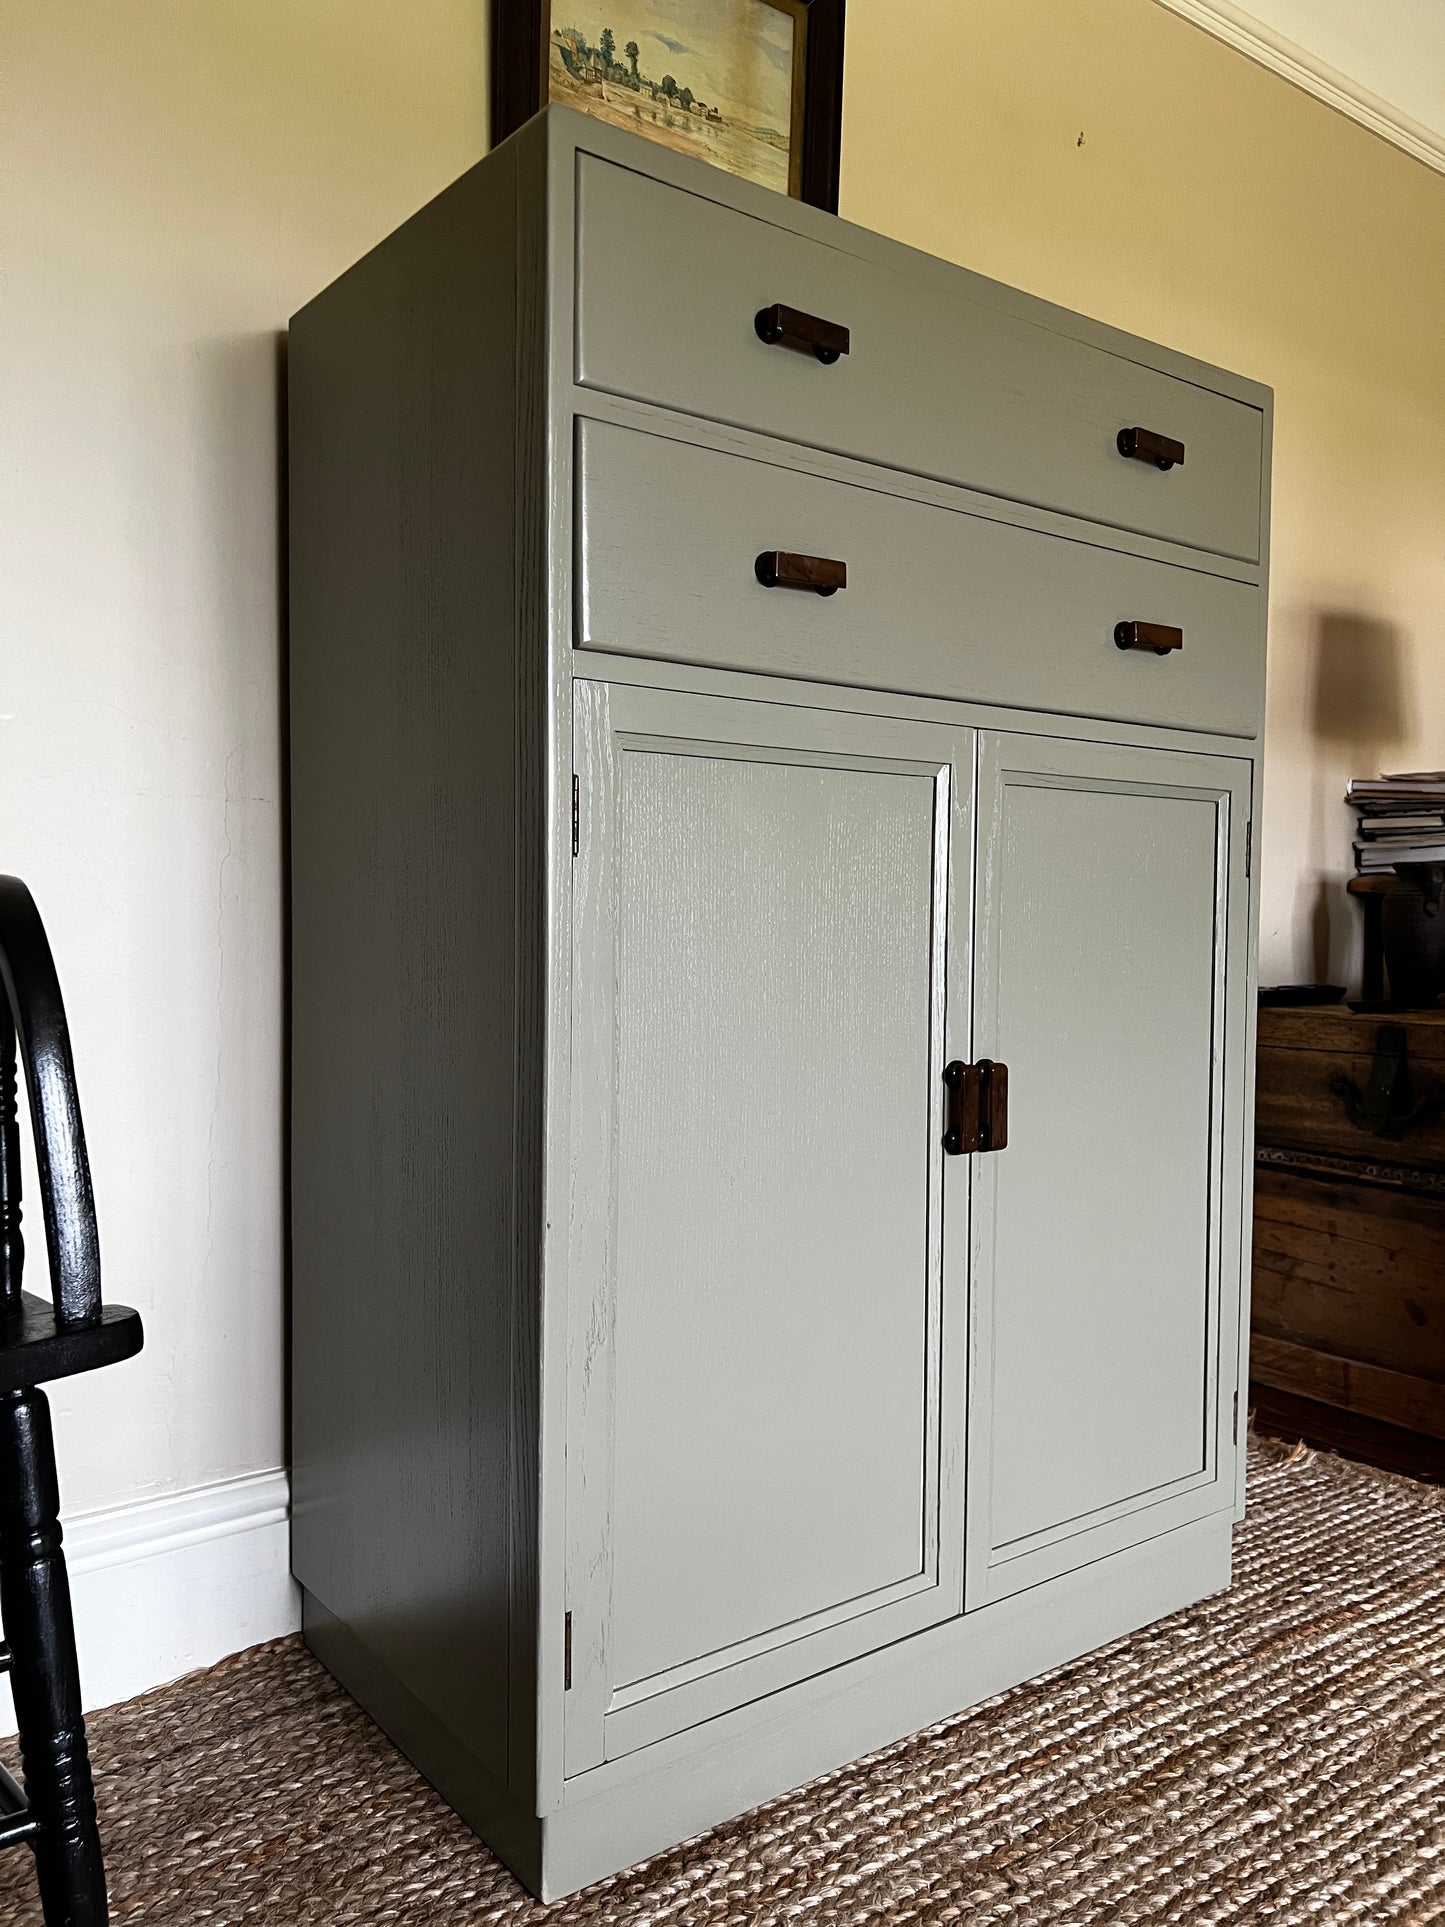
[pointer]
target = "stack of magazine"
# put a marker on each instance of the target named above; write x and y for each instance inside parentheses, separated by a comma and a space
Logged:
(1402, 819)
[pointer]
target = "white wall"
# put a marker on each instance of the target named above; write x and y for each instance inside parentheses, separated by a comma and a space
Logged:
(176, 177)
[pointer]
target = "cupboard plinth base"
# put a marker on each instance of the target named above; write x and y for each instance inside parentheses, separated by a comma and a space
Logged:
(512, 1832)
(647, 1801)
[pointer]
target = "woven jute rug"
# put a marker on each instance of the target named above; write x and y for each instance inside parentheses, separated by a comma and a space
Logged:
(1275, 1754)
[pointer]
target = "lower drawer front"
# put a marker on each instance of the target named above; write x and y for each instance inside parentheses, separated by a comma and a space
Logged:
(937, 602)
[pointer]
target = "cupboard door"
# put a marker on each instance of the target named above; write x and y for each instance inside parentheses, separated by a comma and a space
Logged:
(1111, 980)
(765, 1411)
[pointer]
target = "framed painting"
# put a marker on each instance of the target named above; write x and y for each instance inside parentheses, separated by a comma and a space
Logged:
(752, 86)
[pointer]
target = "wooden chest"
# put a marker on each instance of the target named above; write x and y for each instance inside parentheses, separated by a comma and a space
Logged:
(1349, 1226)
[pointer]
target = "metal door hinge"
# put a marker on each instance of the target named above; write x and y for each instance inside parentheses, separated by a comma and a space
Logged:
(977, 1107)
(576, 814)
(1248, 847)
(567, 1654)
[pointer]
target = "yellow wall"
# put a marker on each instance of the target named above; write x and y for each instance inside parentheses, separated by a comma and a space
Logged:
(1214, 207)
(176, 177)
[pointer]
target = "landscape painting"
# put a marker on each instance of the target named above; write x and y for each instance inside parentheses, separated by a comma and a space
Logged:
(718, 79)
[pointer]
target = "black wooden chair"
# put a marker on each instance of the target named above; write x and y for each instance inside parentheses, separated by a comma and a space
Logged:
(54, 1812)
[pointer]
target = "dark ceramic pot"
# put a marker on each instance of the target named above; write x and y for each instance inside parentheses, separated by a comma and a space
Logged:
(1414, 932)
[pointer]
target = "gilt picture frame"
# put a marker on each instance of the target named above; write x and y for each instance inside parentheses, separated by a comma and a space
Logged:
(752, 86)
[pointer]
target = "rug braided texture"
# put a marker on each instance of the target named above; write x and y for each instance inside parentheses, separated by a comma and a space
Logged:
(1274, 1754)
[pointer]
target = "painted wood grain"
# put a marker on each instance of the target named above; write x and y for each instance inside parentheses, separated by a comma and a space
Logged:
(937, 601)
(405, 807)
(1111, 919)
(775, 1064)
(763, 954)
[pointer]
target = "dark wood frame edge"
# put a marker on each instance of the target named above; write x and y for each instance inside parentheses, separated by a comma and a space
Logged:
(1328, 1428)
(519, 72)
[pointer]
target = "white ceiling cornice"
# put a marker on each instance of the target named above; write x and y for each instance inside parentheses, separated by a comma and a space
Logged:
(1307, 66)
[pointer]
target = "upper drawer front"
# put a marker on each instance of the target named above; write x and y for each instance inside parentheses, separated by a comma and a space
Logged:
(937, 602)
(669, 284)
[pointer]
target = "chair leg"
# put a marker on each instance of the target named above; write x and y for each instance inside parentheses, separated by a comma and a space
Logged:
(35, 1607)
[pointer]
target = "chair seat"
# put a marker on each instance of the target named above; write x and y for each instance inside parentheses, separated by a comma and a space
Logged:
(35, 1346)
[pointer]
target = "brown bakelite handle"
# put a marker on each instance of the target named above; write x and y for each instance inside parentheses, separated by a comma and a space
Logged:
(776, 569)
(976, 1107)
(808, 334)
(1143, 445)
(1157, 636)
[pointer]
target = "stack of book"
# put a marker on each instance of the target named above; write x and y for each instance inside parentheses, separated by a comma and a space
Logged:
(1402, 819)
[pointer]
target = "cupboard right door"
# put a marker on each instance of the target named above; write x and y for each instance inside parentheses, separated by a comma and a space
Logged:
(1112, 943)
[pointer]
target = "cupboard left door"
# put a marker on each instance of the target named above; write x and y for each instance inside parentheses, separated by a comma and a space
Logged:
(766, 1307)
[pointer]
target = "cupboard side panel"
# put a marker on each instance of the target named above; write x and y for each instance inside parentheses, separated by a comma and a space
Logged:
(405, 823)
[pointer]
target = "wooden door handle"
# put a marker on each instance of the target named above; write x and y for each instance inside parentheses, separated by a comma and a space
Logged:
(1157, 636)
(1143, 445)
(777, 569)
(977, 1107)
(807, 334)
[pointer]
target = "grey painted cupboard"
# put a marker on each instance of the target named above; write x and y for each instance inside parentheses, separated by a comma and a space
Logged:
(770, 1062)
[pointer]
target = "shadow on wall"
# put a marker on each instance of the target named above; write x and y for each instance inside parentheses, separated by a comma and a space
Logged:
(1360, 709)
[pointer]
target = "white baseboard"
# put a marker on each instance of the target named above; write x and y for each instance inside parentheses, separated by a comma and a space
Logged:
(164, 1585)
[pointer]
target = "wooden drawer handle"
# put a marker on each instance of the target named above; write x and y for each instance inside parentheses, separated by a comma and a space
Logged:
(1143, 445)
(776, 569)
(808, 334)
(1157, 636)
